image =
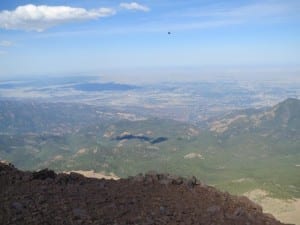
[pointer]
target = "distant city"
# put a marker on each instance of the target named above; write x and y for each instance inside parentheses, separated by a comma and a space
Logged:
(194, 102)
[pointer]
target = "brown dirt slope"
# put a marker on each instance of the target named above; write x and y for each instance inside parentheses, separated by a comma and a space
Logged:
(45, 197)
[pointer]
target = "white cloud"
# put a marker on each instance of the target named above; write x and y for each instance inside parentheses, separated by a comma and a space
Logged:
(39, 18)
(5, 43)
(134, 6)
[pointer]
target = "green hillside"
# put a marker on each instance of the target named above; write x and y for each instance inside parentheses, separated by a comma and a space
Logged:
(238, 153)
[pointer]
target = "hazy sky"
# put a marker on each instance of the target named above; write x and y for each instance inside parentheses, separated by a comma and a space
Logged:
(94, 37)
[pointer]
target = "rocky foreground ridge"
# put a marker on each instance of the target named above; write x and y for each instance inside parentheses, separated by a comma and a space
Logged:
(45, 197)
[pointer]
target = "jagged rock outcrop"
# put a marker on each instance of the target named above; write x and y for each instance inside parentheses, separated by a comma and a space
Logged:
(45, 197)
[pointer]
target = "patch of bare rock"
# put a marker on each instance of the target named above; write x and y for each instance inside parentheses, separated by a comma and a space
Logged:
(45, 197)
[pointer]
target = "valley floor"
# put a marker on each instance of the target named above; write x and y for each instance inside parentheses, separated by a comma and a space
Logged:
(287, 211)
(93, 174)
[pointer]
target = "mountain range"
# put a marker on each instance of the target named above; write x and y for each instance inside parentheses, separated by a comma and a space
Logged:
(259, 147)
